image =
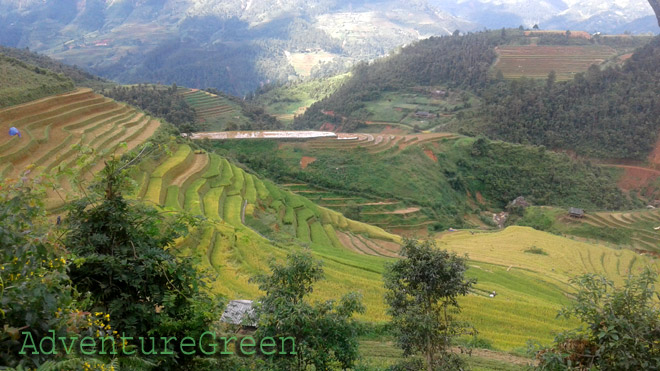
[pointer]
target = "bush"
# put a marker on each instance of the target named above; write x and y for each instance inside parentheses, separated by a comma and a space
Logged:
(622, 327)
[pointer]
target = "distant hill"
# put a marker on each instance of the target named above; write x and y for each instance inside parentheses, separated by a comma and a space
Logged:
(238, 46)
(234, 46)
(79, 76)
(576, 115)
(21, 82)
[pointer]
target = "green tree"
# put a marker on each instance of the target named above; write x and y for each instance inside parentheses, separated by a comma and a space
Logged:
(622, 327)
(422, 291)
(124, 264)
(35, 289)
(325, 333)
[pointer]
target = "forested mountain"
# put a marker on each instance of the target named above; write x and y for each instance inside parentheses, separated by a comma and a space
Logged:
(610, 112)
(238, 45)
(234, 46)
(458, 61)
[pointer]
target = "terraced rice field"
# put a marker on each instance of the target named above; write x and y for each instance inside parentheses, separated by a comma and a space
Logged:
(531, 288)
(537, 61)
(391, 215)
(376, 143)
(54, 127)
(645, 238)
(209, 185)
(211, 109)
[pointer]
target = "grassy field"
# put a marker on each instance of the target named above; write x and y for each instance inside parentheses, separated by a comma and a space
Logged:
(292, 99)
(632, 229)
(421, 108)
(530, 287)
(21, 82)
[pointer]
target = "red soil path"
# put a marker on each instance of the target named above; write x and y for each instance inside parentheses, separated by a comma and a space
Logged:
(431, 155)
(305, 161)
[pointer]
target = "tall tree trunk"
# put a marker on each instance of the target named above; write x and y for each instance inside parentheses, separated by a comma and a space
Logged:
(655, 4)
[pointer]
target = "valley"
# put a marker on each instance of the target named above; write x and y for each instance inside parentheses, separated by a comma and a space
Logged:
(480, 143)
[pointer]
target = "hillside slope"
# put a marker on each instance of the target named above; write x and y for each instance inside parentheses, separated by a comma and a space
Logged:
(67, 136)
(249, 220)
(21, 82)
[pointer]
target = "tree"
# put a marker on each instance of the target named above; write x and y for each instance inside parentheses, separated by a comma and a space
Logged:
(123, 263)
(622, 326)
(324, 332)
(422, 291)
(33, 278)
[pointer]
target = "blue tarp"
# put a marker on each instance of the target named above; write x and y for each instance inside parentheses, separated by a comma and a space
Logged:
(13, 131)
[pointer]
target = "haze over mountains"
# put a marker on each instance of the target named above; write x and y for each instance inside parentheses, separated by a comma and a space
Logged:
(238, 45)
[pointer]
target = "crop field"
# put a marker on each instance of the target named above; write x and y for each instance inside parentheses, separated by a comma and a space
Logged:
(635, 230)
(54, 128)
(249, 220)
(304, 62)
(640, 225)
(423, 108)
(530, 288)
(375, 143)
(388, 214)
(537, 61)
(212, 110)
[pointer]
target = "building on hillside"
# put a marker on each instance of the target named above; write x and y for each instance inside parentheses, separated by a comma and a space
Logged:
(576, 213)
(240, 313)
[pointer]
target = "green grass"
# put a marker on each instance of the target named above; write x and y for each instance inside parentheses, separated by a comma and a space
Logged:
(285, 101)
(530, 288)
(21, 82)
(232, 210)
(193, 203)
(213, 111)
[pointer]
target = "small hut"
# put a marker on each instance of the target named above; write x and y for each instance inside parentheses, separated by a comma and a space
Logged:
(240, 312)
(574, 212)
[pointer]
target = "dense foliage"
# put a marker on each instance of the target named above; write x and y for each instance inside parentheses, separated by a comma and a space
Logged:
(36, 292)
(611, 113)
(325, 334)
(166, 103)
(123, 263)
(622, 327)
(458, 61)
(499, 171)
(422, 293)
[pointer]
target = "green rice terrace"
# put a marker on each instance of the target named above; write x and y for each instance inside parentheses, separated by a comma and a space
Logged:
(248, 219)
(637, 229)
(215, 112)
